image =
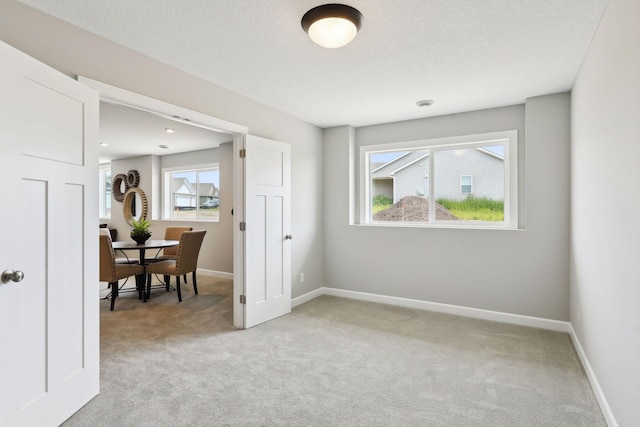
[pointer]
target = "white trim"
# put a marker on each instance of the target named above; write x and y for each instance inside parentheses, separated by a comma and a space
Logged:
(121, 96)
(306, 297)
(476, 313)
(591, 376)
(214, 273)
(470, 185)
(508, 139)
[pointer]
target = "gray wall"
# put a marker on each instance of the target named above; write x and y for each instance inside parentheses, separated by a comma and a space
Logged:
(605, 233)
(514, 271)
(217, 248)
(77, 52)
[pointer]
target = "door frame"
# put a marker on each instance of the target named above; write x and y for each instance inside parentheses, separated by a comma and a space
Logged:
(116, 95)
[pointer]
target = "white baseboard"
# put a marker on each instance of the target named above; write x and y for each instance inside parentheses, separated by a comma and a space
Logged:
(306, 297)
(595, 385)
(496, 316)
(220, 274)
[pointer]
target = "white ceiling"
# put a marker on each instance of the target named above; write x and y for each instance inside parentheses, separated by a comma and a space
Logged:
(129, 133)
(464, 54)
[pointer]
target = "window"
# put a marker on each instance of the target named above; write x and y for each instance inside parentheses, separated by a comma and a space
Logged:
(466, 181)
(466, 184)
(104, 186)
(192, 193)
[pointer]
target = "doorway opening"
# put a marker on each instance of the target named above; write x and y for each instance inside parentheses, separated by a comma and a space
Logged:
(201, 151)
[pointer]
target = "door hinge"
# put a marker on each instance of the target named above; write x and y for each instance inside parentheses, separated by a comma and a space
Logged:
(243, 299)
(243, 153)
(243, 226)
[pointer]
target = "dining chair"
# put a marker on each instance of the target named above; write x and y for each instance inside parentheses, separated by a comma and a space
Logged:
(112, 272)
(119, 259)
(170, 233)
(186, 262)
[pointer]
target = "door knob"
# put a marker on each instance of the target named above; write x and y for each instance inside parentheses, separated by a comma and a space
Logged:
(288, 237)
(12, 276)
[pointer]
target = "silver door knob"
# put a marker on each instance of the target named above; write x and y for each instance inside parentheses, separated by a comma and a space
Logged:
(288, 237)
(12, 276)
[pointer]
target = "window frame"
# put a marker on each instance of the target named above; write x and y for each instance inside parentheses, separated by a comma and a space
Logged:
(470, 184)
(104, 197)
(166, 191)
(510, 140)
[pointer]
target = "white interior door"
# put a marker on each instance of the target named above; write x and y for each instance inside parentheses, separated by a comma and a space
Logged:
(267, 287)
(49, 321)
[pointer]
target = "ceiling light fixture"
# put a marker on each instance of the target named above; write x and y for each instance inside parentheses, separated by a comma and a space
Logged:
(104, 144)
(164, 147)
(169, 130)
(332, 25)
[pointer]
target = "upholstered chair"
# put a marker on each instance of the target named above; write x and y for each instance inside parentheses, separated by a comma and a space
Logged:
(170, 233)
(186, 261)
(112, 272)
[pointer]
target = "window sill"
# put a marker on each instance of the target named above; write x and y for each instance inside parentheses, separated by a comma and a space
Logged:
(438, 226)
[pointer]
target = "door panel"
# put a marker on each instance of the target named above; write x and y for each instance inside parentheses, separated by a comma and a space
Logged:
(59, 119)
(31, 297)
(268, 251)
(72, 286)
(49, 321)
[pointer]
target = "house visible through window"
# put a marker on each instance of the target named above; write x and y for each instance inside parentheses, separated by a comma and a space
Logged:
(192, 193)
(463, 181)
(104, 186)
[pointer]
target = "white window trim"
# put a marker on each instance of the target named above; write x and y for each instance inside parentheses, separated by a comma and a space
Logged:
(102, 189)
(508, 138)
(166, 189)
(461, 184)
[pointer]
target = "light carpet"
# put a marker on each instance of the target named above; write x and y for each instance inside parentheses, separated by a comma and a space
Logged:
(331, 362)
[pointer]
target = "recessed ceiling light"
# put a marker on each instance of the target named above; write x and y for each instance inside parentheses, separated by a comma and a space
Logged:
(169, 130)
(104, 144)
(425, 103)
(163, 146)
(332, 25)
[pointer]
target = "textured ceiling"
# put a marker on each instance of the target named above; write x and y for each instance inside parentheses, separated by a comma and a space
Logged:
(464, 54)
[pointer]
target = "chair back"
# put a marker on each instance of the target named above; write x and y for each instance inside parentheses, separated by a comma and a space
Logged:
(173, 233)
(188, 251)
(107, 259)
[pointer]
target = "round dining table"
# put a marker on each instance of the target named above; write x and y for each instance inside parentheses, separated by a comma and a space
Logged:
(130, 245)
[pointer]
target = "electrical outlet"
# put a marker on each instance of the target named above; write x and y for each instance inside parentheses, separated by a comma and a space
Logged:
(301, 277)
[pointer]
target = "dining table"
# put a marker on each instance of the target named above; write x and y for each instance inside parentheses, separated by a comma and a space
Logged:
(142, 248)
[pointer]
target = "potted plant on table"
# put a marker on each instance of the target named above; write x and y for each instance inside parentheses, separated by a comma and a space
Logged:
(140, 232)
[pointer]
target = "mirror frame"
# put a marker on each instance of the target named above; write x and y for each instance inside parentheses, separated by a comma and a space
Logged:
(126, 204)
(116, 186)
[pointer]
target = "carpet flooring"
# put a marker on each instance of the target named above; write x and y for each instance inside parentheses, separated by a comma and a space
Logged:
(331, 362)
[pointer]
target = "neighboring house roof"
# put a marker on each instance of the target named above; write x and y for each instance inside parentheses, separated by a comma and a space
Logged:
(410, 163)
(383, 170)
(209, 190)
(182, 186)
(491, 153)
(394, 166)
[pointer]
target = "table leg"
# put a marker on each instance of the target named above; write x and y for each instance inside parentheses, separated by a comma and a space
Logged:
(140, 286)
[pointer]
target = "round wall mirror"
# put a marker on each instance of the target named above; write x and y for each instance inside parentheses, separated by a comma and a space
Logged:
(134, 205)
(119, 186)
